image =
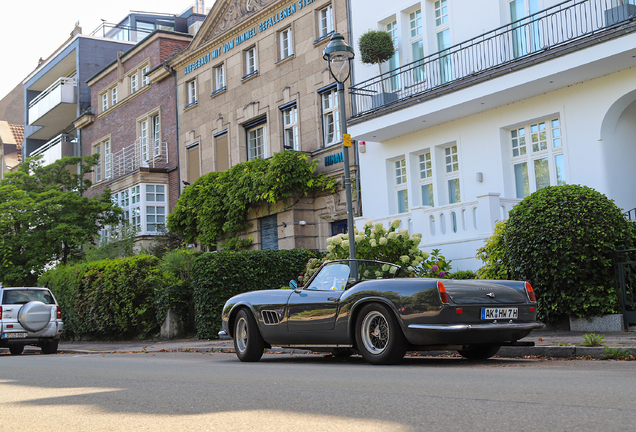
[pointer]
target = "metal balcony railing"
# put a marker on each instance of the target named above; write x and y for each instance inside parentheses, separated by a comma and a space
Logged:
(62, 90)
(141, 153)
(558, 25)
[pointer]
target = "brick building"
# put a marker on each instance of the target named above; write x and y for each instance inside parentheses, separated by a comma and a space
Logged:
(253, 82)
(132, 124)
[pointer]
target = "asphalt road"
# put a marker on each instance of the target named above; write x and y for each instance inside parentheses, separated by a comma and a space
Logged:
(215, 392)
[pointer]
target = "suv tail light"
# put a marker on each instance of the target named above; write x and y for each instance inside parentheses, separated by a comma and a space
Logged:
(59, 313)
(0, 312)
(443, 295)
(530, 292)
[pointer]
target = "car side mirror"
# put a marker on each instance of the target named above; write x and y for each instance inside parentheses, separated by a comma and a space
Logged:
(294, 285)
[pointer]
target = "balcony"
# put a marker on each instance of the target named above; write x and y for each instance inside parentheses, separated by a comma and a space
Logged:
(56, 105)
(140, 154)
(57, 148)
(556, 31)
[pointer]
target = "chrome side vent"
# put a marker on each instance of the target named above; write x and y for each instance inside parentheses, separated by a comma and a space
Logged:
(270, 317)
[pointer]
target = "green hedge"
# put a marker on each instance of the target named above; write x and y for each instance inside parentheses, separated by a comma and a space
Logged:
(217, 276)
(106, 299)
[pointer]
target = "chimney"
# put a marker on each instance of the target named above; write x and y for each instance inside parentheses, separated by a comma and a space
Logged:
(200, 7)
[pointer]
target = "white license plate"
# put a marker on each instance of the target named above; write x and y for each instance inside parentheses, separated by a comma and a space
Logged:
(499, 313)
(14, 335)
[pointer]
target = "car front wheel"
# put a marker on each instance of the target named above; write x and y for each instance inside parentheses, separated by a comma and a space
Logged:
(379, 337)
(477, 352)
(248, 342)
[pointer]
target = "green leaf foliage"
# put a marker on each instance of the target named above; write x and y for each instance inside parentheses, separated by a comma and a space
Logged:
(217, 204)
(218, 276)
(493, 254)
(44, 217)
(376, 46)
(112, 299)
(562, 240)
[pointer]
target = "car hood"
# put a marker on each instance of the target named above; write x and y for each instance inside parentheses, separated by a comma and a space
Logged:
(275, 296)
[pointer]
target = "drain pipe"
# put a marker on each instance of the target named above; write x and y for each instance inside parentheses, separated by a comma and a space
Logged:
(176, 103)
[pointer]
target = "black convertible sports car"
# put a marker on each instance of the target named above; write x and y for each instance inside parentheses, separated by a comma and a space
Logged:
(367, 307)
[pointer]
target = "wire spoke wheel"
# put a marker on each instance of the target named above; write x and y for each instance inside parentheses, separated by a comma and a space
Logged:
(375, 332)
(379, 337)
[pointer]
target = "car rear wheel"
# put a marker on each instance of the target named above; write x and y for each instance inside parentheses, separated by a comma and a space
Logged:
(478, 352)
(248, 342)
(50, 347)
(379, 337)
(16, 349)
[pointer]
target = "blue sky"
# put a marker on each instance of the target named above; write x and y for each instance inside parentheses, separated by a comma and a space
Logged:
(41, 26)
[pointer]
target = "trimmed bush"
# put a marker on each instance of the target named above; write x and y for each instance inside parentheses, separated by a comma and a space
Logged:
(561, 239)
(493, 254)
(217, 276)
(464, 274)
(106, 299)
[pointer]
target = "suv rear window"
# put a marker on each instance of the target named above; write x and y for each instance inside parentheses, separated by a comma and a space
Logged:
(24, 296)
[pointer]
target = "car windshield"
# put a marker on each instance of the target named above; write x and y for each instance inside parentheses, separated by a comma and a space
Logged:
(338, 275)
(22, 296)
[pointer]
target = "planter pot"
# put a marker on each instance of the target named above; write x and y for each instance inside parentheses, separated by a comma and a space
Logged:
(605, 323)
(382, 99)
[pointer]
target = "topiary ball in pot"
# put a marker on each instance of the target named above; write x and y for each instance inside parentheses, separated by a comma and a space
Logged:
(561, 239)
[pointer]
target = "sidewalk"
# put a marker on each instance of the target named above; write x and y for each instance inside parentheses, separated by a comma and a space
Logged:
(559, 344)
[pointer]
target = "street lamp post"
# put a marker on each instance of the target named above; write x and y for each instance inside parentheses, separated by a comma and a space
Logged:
(339, 54)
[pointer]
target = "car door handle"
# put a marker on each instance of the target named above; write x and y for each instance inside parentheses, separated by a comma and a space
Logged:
(333, 299)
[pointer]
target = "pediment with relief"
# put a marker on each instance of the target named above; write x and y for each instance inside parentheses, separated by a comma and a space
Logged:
(227, 14)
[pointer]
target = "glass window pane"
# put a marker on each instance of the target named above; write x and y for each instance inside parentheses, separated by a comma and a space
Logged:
(453, 191)
(542, 173)
(427, 195)
(560, 169)
(521, 180)
(403, 201)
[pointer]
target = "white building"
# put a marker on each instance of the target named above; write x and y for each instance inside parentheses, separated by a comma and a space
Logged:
(487, 101)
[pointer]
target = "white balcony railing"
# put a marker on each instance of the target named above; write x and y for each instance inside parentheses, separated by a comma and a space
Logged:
(139, 154)
(61, 91)
(57, 148)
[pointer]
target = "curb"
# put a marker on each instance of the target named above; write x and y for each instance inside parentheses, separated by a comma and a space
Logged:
(507, 352)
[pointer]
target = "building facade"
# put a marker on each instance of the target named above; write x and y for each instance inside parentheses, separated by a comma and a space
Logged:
(254, 82)
(486, 102)
(132, 125)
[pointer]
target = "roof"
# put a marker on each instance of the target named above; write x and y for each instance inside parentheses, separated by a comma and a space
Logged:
(18, 133)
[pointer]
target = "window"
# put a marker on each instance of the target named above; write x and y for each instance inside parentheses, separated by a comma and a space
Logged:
(325, 21)
(149, 137)
(191, 96)
(219, 78)
(330, 117)
(286, 46)
(417, 43)
(134, 83)
(114, 95)
(103, 169)
(144, 207)
(193, 158)
(394, 62)
(104, 102)
(290, 126)
(250, 61)
(269, 232)
(537, 154)
(451, 174)
(156, 135)
(257, 142)
(401, 186)
(526, 35)
(145, 80)
(443, 40)
(143, 140)
(155, 214)
(426, 179)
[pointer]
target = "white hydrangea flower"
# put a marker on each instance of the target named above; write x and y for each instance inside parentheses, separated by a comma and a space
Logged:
(415, 262)
(405, 259)
(418, 235)
(379, 226)
(393, 269)
(331, 248)
(417, 241)
(345, 245)
(356, 231)
(378, 274)
(373, 243)
(359, 238)
(395, 224)
(382, 241)
(425, 255)
(392, 236)
(410, 268)
(368, 224)
(336, 241)
(385, 267)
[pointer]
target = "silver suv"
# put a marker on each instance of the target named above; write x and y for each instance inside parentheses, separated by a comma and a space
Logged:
(29, 316)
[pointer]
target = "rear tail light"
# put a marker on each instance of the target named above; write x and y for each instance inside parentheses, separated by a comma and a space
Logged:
(59, 313)
(530, 292)
(442, 293)
(0, 312)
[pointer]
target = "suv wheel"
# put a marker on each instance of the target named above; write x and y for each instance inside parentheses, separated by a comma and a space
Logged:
(16, 349)
(50, 347)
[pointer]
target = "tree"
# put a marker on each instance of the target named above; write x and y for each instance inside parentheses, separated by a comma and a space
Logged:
(45, 217)
(376, 47)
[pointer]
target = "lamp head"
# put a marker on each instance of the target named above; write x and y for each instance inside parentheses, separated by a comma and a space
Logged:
(338, 53)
